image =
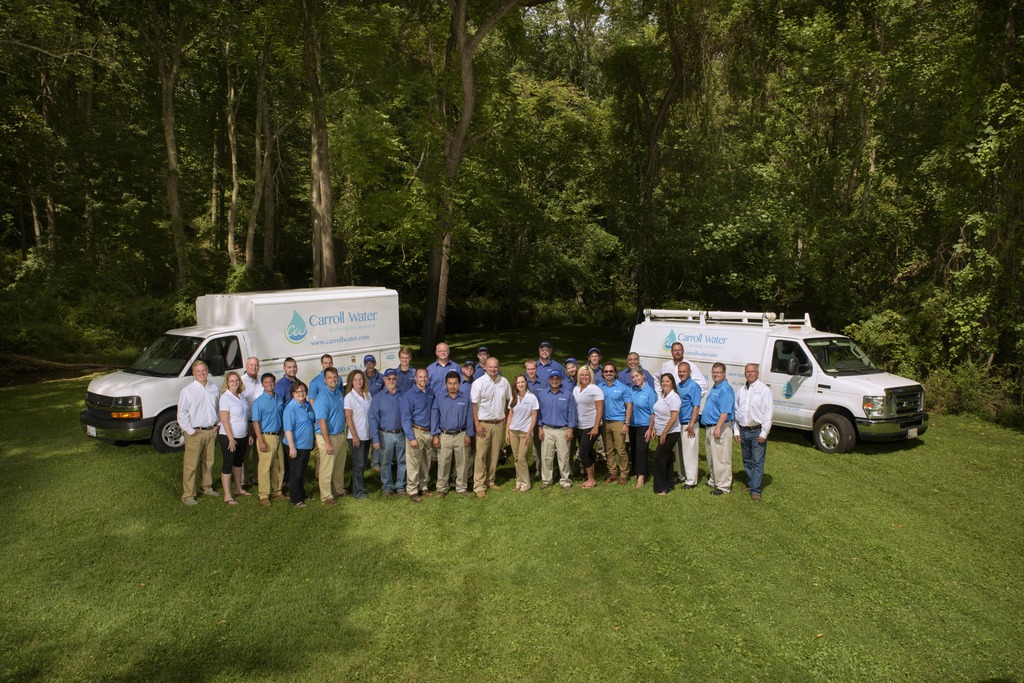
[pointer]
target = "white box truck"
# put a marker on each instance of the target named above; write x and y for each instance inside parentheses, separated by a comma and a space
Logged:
(140, 402)
(820, 381)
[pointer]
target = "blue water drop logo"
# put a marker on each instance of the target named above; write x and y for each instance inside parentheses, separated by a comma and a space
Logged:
(669, 340)
(295, 330)
(787, 391)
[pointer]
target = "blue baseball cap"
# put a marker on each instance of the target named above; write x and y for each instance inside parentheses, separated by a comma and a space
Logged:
(368, 358)
(594, 349)
(572, 360)
(556, 373)
(391, 372)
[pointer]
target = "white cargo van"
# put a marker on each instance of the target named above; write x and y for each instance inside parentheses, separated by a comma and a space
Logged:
(820, 381)
(140, 402)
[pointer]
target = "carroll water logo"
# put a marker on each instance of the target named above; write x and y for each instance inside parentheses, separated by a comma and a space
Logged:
(669, 340)
(787, 391)
(295, 330)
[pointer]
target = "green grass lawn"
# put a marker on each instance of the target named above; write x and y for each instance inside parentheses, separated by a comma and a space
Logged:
(895, 562)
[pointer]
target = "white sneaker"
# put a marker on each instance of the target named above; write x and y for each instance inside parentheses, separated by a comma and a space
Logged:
(190, 501)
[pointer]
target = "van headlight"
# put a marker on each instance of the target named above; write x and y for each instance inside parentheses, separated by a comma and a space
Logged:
(874, 407)
(126, 408)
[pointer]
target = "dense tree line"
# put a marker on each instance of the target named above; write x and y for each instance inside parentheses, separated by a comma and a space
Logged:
(520, 161)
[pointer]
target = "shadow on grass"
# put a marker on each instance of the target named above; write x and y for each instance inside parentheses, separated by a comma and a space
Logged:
(116, 580)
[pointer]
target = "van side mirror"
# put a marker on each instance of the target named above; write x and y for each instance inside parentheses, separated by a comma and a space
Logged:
(792, 366)
(216, 364)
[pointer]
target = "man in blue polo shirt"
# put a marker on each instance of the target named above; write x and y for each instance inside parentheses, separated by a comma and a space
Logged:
(688, 447)
(387, 435)
(451, 425)
(546, 364)
(416, 406)
(716, 419)
(406, 372)
(268, 428)
(316, 385)
(556, 421)
(633, 363)
(332, 448)
(374, 380)
(437, 370)
(482, 354)
(283, 388)
(618, 409)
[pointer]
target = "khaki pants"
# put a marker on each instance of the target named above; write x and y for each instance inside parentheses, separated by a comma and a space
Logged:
(271, 466)
(520, 451)
(555, 442)
(688, 454)
(198, 445)
(417, 462)
(615, 448)
(488, 448)
(452, 446)
(719, 455)
(330, 472)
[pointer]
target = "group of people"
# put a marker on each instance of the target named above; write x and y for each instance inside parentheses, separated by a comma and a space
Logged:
(462, 417)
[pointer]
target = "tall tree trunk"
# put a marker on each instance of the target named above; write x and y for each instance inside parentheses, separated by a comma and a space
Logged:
(37, 224)
(269, 193)
(261, 162)
(49, 205)
(321, 198)
(232, 112)
(215, 186)
(168, 58)
(461, 46)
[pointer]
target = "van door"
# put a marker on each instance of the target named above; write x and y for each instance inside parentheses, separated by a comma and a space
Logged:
(790, 376)
(221, 354)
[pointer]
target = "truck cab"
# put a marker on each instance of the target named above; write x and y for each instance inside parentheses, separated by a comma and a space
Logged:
(140, 402)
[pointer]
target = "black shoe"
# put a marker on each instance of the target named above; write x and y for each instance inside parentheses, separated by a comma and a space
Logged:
(717, 492)
(691, 486)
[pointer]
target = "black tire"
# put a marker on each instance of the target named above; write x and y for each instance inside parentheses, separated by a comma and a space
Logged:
(834, 433)
(167, 435)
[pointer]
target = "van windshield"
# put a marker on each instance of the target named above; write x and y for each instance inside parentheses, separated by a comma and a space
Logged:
(166, 357)
(840, 356)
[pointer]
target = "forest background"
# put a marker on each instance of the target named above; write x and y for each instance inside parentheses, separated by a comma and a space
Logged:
(524, 162)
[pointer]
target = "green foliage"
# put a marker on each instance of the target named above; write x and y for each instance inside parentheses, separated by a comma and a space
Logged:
(253, 279)
(863, 162)
(966, 389)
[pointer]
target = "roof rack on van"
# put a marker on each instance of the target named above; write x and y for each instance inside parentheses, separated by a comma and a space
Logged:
(764, 319)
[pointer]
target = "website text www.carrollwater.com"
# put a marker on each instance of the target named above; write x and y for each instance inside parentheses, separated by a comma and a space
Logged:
(340, 340)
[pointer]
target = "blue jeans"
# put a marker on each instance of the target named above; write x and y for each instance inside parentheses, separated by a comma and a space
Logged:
(392, 448)
(358, 454)
(753, 457)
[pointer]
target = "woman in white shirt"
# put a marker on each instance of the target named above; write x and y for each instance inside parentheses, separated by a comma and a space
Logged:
(357, 419)
(522, 420)
(589, 412)
(665, 426)
(235, 438)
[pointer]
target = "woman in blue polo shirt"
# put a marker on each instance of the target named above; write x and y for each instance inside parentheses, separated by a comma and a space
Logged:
(644, 398)
(298, 434)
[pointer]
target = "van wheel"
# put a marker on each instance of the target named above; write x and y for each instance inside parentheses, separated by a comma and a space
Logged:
(167, 435)
(833, 433)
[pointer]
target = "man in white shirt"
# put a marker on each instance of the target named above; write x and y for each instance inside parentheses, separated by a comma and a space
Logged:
(490, 396)
(198, 419)
(751, 426)
(671, 366)
(252, 389)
